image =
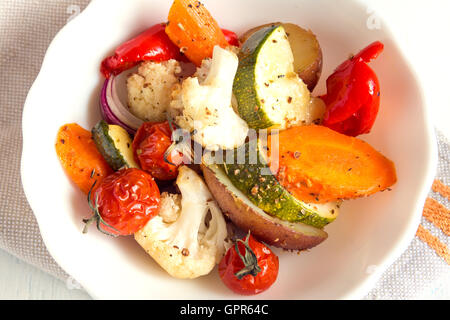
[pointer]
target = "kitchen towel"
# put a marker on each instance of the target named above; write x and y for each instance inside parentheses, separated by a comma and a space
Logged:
(27, 28)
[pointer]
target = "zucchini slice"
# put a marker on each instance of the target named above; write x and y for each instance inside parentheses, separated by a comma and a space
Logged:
(268, 92)
(250, 173)
(305, 48)
(114, 144)
(244, 214)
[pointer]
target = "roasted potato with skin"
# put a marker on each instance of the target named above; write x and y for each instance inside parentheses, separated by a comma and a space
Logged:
(305, 48)
(245, 215)
(251, 31)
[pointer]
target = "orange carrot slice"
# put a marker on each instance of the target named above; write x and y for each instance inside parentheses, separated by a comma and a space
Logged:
(192, 28)
(79, 156)
(317, 164)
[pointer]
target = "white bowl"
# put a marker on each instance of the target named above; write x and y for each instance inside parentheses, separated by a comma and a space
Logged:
(368, 236)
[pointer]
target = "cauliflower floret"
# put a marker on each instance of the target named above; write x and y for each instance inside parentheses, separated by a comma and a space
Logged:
(149, 89)
(189, 235)
(170, 207)
(202, 105)
(202, 72)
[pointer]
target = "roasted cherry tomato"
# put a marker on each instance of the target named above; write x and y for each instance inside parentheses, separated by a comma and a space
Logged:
(249, 267)
(231, 37)
(353, 94)
(150, 144)
(153, 44)
(124, 202)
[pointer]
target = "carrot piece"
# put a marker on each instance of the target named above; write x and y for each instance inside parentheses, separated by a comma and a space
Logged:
(317, 164)
(192, 28)
(79, 156)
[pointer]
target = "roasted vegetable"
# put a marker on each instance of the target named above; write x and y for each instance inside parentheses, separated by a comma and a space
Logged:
(305, 48)
(192, 28)
(250, 173)
(247, 216)
(204, 107)
(317, 164)
(307, 54)
(189, 236)
(114, 143)
(268, 92)
(150, 145)
(79, 156)
(123, 202)
(353, 94)
(148, 89)
(249, 267)
(151, 45)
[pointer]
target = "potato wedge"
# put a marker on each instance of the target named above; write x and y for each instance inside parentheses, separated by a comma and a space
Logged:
(251, 31)
(245, 215)
(305, 48)
(307, 54)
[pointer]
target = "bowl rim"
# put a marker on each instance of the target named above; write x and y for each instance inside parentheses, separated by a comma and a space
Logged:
(356, 292)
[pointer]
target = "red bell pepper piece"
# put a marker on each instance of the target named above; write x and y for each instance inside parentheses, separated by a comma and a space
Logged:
(153, 44)
(231, 37)
(353, 94)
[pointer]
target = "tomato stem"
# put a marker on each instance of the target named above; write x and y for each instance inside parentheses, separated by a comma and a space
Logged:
(249, 259)
(96, 217)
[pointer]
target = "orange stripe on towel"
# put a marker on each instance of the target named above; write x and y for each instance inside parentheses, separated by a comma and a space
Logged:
(437, 214)
(434, 243)
(441, 188)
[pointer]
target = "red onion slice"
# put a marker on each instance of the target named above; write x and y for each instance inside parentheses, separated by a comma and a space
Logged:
(113, 111)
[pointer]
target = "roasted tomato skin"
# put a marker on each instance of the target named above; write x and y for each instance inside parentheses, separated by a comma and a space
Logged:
(232, 263)
(126, 201)
(149, 145)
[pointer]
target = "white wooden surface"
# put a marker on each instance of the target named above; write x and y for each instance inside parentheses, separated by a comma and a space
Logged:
(425, 40)
(19, 280)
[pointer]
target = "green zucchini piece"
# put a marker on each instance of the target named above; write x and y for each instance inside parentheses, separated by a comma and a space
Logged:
(268, 92)
(250, 173)
(114, 144)
(244, 214)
